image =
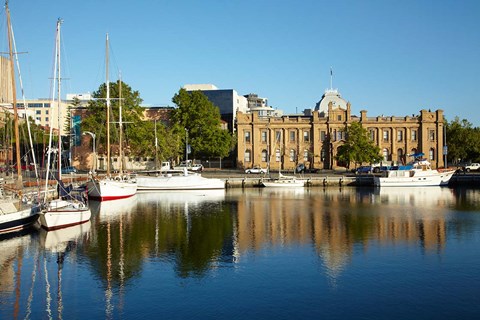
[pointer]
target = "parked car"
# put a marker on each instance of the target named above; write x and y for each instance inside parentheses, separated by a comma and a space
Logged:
(256, 169)
(471, 167)
(363, 170)
(69, 170)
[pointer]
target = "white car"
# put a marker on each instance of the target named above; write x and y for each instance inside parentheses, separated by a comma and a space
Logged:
(256, 169)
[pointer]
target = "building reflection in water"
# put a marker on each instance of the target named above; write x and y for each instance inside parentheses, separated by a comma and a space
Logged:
(335, 220)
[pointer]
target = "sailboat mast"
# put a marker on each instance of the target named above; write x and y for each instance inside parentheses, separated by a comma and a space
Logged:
(59, 99)
(14, 100)
(108, 108)
(120, 150)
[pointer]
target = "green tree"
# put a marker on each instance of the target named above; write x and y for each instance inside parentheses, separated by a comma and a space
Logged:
(463, 141)
(201, 118)
(135, 135)
(357, 148)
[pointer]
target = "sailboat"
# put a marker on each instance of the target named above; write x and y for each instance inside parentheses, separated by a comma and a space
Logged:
(16, 211)
(282, 180)
(120, 186)
(67, 209)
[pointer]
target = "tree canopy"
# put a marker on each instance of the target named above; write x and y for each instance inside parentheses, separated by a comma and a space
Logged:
(463, 141)
(358, 148)
(197, 115)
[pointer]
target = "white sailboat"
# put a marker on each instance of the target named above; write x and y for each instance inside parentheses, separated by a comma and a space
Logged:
(16, 211)
(120, 186)
(67, 210)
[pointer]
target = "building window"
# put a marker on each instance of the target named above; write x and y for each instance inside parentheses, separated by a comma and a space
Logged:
(400, 135)
(340, 135)
(277, 155)
(400, 156)
(305, 155)
(323, 154)
(431, 135)
(264, 156)
(431, 154)
(323, 135)
(385, 154)
(46, 111)
(46, 119)
(247, 136)
(339, 117)
(414, 135)
(385, 135)
(46, 105)
(38, 119)
(306, 136)
(292, 136)
(247, 156)
(372, 135)
(278, 136)
(292, 155)
(38, 111)
(264, 136)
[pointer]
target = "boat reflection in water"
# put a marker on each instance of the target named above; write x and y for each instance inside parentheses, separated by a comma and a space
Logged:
(58, 241)
(174, 198)
(113, 209)
(419, 197)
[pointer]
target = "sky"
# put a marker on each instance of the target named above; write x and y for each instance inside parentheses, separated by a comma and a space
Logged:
(388, 57)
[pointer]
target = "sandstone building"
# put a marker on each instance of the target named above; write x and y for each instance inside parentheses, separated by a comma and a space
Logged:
(313, 138)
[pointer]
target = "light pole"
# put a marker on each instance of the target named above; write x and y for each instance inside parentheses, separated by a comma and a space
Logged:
(94, 152)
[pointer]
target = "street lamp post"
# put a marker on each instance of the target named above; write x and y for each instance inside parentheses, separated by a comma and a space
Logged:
(94, 150)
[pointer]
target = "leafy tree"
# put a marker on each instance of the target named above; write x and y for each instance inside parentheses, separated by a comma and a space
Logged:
(463, 141)
(201, 118)
(358, 148)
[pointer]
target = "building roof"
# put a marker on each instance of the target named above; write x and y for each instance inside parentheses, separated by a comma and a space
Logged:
(333, 96)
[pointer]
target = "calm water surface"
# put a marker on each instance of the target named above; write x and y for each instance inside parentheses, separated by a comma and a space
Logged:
(348, 253)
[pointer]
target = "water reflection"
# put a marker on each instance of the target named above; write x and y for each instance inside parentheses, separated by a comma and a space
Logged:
(192, 235)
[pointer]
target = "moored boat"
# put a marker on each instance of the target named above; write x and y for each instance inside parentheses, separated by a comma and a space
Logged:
(284, 181)
(180, 180)
(418, 173)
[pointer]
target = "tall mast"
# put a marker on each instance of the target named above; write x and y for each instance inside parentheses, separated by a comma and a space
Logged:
(59, 99)
(108, 109)
(14, 100)
(120, 150)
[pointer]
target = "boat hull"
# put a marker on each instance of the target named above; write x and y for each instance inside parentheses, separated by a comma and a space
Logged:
(182, 182)
(110, 189)
(19, 220)
(64, 216)
(284, 184)
(417, 179)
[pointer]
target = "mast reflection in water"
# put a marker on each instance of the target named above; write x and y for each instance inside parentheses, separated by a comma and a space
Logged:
(258, 253)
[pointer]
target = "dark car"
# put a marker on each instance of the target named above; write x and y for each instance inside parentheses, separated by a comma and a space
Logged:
(364, 170)
(69, 170)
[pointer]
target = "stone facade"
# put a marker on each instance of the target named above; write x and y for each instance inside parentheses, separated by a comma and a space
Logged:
(314, 140)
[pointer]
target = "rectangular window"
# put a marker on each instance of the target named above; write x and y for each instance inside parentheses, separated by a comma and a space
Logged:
(372, 135)
(306, 136)
(399, 135)
(46, 119)
(414, 135)
(264, 136)
(277, 155)
(292, 136)
(278, 136)
(339, 117)
(46, 111)
(339, 135)
(292, 155)
(305, 155)
(385, 135)
(264, 155)
(247, 136)
(323, 135)
(38, 111)
(431, 135)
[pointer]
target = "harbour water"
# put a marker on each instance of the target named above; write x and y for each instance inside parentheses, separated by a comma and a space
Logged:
(333, 253)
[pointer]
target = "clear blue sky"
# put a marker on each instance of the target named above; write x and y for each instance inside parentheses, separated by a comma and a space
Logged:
(388, 57)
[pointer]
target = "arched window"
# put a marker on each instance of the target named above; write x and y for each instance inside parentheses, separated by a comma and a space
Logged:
(400, 156)
(248, 156)
(385, 154)
(292, 155)
(264, 155)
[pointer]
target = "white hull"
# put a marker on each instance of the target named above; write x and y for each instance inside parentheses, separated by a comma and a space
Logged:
(178, 182)
(413, 178)
(284, 183)
(62, 214)
(111, 189)
(12, 220)
(58, 240)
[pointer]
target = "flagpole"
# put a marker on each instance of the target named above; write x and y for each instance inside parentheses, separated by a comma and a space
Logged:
(331, 78)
